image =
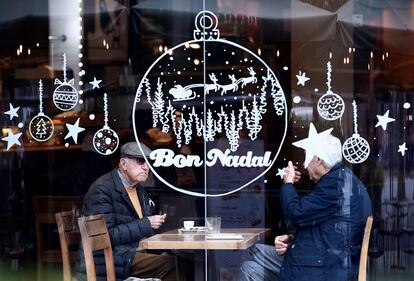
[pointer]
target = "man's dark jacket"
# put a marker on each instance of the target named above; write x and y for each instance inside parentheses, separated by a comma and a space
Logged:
(108, 196)
(330, 223)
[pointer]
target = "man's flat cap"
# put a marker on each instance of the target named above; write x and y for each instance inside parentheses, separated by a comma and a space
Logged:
(131, 149)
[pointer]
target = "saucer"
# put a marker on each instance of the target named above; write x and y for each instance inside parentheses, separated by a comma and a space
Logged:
(192, 229)
(224, 236)
(188, 230)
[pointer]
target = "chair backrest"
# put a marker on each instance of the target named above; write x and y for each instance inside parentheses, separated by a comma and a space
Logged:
(94, 234)
(45, 208)
(362, 273)
(68, 236)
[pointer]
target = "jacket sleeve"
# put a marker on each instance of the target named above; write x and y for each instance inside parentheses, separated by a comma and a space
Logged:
(314, 208)
(99, 201)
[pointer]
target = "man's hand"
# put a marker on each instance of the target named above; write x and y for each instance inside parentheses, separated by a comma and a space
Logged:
(157, 220)
(282, 243)
(291, 175)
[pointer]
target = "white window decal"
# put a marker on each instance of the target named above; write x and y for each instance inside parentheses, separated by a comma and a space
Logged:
(355, 149)
(218, 92)
(65, 96)
(330, 106)
(41, 126)
(105, 141)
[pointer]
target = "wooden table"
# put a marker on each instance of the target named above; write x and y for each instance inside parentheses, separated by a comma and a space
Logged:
(172, 240)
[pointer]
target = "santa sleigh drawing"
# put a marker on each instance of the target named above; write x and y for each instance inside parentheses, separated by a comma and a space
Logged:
(181, 93)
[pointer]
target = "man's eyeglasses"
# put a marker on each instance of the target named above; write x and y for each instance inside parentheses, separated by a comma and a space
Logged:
(138, 160)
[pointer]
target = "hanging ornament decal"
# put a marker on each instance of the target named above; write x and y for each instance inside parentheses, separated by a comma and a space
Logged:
(65, 96)
(355, 149)
(228, 110)
(105, 140)
(41, 126)
(330, 106)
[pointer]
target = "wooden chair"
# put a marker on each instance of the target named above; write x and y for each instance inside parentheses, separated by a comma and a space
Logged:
(94, 234)
(362, 273)
(45, 208)
(68, 236)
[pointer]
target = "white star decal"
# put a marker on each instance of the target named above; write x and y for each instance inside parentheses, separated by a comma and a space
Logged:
(313, 144)
(302, 78)
(12, 139)
(95, 83)
(12, 112)
(383, 120)
(402, 149)
(74, 130)
(281, 172)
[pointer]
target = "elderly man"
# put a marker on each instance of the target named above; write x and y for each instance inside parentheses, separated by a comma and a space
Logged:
(129, 216)
(329, 221)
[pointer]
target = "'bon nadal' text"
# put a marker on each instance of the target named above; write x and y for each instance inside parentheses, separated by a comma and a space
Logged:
(167, 158)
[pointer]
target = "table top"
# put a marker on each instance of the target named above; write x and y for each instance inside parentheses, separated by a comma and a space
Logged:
(197, 241)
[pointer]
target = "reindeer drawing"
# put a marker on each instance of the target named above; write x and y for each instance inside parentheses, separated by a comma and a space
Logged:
(233, 86)
(251, 79)
(213, 86)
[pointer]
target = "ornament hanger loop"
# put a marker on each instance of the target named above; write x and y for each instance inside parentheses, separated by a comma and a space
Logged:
(206, 24)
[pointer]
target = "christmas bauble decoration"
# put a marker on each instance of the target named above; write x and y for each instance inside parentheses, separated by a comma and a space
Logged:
(221, 93)
(65, 97)
(105, 141)
(41, 127)
(331, 106)
(356, 149)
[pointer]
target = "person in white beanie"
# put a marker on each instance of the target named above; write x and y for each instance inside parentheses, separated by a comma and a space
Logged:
(329, 221)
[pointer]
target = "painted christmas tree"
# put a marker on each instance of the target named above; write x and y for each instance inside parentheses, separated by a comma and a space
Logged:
(222, 118)
(254, 122)
(242, 112)
(232, 133)
(158, 107)
(177, 127)
(264, 90)
(188, 130)
(277, 94)
(210, 131)
(166, 118)
(41, 128)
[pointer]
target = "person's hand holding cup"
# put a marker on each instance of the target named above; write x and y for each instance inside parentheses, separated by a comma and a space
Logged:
(157, 220)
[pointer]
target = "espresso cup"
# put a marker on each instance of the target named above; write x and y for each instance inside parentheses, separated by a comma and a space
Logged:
(188, 224)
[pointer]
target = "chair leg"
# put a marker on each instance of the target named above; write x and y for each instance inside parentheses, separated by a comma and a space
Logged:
(177, 276)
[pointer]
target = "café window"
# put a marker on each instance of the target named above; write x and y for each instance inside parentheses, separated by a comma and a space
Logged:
(214, 98)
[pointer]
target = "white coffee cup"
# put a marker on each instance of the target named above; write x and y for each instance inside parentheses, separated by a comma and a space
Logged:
(188, 224)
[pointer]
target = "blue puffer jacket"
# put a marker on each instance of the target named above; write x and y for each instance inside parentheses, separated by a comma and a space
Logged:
(330, 223)
(107, 196)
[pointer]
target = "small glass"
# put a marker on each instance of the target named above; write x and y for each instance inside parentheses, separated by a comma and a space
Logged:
(163, 209)
(213, 224)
